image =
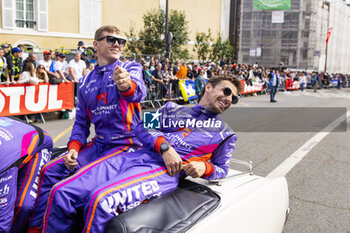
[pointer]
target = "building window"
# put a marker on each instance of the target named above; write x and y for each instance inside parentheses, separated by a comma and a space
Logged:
(25, 14)
(20, 14)
(90, 16)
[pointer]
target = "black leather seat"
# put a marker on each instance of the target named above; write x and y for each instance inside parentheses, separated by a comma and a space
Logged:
(177, 211)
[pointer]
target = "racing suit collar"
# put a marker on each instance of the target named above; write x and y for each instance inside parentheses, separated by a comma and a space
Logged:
(109, 67)
(201, 109)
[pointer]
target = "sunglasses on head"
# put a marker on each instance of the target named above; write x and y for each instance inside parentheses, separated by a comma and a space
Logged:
(227, 92)
(112, 39)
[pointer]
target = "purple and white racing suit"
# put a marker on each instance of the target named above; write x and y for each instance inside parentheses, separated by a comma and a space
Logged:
(114, 115)
(124, 181)
(24, 150)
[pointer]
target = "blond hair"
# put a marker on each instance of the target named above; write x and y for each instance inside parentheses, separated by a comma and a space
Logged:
(106, 28)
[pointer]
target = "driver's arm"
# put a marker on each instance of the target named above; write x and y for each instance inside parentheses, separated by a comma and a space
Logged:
(81, 127)
(152, 138)
(219, 163)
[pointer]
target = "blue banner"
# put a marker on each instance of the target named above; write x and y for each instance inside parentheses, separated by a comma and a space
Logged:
(333, 83)
(187, 88)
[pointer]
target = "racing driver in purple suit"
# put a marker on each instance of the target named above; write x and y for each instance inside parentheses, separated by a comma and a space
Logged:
(109, 97)
(190, 141)
(24, 150)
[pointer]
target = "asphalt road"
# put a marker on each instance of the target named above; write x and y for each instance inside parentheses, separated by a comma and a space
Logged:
(319, 185)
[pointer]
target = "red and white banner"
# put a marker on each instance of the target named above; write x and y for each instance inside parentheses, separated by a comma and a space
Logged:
(21, 99)
(256, 87)
(329, 31)
(290, 85)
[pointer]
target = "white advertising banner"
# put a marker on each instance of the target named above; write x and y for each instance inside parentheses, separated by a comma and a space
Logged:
(277, 16)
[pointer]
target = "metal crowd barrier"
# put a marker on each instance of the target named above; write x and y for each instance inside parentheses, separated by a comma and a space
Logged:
(159, 93)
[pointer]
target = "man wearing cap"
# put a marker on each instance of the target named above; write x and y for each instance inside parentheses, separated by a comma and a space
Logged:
(61, 67)
(109, 97)
(81, 47)
(85, 59)
(14, 64)
(48, 64)
(6, 49)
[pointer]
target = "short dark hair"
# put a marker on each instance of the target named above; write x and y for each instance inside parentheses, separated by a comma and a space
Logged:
(107, 28)
(216, 79)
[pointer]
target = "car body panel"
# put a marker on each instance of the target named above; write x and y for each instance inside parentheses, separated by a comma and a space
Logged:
(249, 204)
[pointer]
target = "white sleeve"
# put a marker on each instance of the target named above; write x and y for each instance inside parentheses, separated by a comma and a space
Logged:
(24, 77)
(71, 64)
(5, 63)
(34, 80)
(57, 65)
(83, 64)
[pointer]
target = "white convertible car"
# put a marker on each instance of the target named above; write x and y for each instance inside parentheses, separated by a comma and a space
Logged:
(240, 203)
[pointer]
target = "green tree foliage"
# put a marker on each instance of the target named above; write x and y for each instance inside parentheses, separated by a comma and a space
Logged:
(133, 44)
(202, 46)
(151, 37)
(221, 49)
(178, 26)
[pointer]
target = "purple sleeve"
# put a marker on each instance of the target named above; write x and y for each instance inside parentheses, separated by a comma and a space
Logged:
(81, 127)
(8, 194)
(136, 75)
(148, 137)
(221, 157)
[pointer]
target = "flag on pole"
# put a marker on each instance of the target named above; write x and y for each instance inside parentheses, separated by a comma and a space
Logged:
(329, 31)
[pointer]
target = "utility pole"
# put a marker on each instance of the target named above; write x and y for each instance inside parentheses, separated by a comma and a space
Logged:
(326, 53)
(166, 30)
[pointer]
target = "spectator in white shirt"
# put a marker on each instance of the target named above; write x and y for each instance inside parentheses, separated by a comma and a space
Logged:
(48, 64)
(28, 75)
(76, 68)
(61, 67)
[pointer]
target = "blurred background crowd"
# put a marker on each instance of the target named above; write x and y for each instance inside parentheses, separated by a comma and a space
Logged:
(161, 75)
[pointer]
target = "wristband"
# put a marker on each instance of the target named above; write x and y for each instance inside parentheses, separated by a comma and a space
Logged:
(129, 88)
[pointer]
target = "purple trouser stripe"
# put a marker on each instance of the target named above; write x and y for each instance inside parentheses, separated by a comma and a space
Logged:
(118, 182)
(64, 182)
(19, 192)
(51, 164)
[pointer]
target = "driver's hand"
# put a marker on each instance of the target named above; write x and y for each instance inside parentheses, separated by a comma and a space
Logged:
(70, 161)
(121, 78)
(173, 161)
(194, 169)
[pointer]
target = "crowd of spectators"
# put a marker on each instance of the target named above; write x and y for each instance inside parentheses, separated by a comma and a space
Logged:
(160, 75)
(53, 68)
